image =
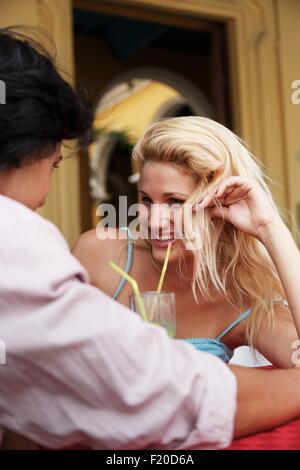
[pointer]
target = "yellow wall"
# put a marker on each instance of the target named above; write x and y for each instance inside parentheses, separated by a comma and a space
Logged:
(288, 17)
(136, 111)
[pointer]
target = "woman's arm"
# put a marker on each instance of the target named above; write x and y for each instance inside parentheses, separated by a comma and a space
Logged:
(286, 257)
(276, 346)
(246, 206)
(281, 349)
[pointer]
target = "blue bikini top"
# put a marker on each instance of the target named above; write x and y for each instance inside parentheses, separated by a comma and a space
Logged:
(215, 345)
(210, 345)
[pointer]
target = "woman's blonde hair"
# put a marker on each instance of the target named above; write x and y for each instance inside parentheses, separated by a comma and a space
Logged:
(229, 261)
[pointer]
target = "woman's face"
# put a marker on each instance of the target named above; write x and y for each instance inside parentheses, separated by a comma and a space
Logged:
(163, 186)
(30, 183)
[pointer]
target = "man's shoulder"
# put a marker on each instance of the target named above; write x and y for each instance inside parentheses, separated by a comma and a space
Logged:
(19, 222)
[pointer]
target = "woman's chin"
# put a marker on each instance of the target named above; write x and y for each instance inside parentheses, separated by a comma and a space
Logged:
(159, 252)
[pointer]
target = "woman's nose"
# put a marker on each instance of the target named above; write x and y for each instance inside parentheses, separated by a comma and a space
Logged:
(160, 219)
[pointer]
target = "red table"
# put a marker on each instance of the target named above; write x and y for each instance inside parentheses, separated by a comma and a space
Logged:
(285, 437)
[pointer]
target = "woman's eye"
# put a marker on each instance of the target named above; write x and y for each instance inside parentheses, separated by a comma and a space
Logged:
(146, 200)
(176, 201)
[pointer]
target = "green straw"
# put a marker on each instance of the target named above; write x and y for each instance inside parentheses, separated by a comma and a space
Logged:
(134, 286)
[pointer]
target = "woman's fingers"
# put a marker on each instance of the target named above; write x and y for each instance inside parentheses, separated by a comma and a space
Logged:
(234, 186)
(233, 183)
(206, 200)
(221, 212)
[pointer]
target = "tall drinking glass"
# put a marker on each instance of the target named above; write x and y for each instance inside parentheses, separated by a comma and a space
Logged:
(159, 307)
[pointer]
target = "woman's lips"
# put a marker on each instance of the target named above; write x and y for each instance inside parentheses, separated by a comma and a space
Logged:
(163, 243)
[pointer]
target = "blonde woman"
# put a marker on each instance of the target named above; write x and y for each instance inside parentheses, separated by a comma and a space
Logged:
(234, 287)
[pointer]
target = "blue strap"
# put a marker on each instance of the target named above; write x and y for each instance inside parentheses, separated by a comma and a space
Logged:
(128, 264)
(233, 324)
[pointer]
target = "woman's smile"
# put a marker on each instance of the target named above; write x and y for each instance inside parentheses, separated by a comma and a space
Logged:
(163, 243)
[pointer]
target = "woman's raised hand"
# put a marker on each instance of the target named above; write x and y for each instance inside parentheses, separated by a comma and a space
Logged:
(242, 202)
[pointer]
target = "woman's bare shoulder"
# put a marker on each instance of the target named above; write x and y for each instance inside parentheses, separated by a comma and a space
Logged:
(98, 240)
(103, 240)
(94, 249)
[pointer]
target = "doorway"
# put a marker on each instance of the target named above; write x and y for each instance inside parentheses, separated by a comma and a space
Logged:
(137, 71)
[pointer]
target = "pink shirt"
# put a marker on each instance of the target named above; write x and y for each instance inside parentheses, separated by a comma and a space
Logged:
(81, 368)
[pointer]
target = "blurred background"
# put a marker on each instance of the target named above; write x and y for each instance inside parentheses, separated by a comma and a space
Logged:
(236, 61)
(143, 60)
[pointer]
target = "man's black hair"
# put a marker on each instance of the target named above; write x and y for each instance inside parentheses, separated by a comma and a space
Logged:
(41, 109)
